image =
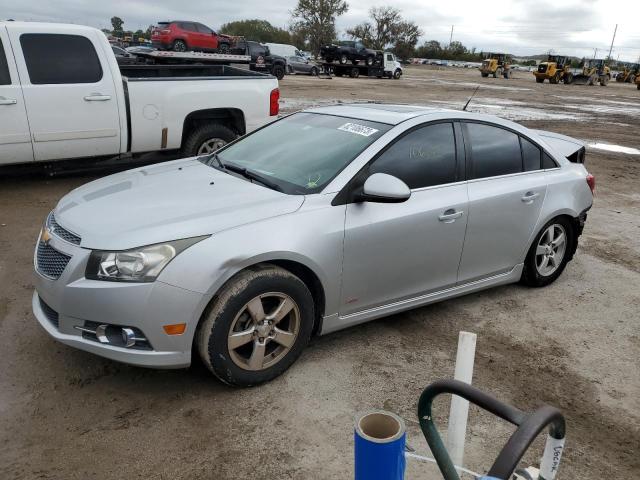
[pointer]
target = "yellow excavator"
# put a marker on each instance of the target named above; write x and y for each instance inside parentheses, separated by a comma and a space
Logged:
(594, 71)
(557, 68)
(496, 64)
(628, 73)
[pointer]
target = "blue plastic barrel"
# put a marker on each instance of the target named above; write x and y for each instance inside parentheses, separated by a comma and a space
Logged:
(380, 439)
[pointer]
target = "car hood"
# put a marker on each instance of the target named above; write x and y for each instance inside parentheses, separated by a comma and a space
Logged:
(164, 202)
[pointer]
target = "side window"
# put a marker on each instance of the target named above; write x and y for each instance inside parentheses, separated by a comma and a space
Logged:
(202, 29)
(5, 78)
(190, 27)
(57, 59)
(548, 162)
(494, 151)
(422, 158)
(530, 155)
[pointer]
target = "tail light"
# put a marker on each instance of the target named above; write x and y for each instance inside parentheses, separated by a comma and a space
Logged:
(591, 181)
(274, 102)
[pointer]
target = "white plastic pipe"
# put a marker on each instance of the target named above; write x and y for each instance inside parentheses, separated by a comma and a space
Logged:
(459, 411)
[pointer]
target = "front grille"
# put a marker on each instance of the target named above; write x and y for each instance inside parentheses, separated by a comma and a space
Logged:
(50, 313)
(50, 262)
(59, 231)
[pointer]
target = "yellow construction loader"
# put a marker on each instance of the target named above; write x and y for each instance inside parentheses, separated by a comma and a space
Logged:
(594, 71)
(629, 73)
(638, 81)
(557, 68)
(496, 64)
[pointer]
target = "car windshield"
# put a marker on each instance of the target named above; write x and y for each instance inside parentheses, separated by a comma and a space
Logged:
(303, 152)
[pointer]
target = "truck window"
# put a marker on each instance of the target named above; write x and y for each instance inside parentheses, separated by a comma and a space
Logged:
(5, 78)
(59, 59)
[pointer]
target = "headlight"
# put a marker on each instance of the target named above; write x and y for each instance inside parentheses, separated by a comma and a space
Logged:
(142, 264)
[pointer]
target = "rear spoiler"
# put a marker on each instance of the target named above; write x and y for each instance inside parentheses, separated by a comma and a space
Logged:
(570, 148)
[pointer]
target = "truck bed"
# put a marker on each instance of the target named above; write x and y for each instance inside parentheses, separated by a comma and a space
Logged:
(169, 71)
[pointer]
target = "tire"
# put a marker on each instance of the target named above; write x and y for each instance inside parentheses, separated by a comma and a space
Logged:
(568, 78)
(555, 79)
(314, 71)
(354, 72)
(339, 74)
(370, 60)
(638, 86)
(604, 81)
(229, 312)
(484, 74)
(397, 74)
(343, 59)
(539, 79)
(223, 48)
(215, 134)
(278, 71)
(508, 74)
(179, 46)
(497, 73)
(532, 274)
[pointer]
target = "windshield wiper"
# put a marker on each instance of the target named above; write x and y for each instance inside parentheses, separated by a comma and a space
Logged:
(252, 175)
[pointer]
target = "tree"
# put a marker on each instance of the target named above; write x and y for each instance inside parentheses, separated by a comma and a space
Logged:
(387, 30)
(258, 30)
(116, 23)
(315, 21)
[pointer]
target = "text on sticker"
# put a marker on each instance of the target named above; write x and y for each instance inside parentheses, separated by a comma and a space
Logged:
(358, 129)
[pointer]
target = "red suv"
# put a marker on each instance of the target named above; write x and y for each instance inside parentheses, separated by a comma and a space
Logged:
(182, 36)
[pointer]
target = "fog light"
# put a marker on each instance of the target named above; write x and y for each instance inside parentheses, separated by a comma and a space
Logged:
(128, 337)
(175, 329)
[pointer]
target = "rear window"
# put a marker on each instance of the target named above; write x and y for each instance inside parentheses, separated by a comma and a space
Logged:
(494, 151)
(188, 26)
(60, 59)
(5, 78)
(530, 155)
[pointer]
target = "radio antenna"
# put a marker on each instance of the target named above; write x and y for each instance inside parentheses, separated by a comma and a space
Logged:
(470, 98)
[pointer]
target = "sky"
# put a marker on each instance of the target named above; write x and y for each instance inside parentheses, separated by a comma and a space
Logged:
(519, 27)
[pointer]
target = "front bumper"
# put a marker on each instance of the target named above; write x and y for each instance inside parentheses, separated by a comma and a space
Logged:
(74, 302)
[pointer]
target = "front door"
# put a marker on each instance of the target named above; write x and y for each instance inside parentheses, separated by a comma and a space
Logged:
(69, 92)
(399, 251)
(506, 190)
(15, 138)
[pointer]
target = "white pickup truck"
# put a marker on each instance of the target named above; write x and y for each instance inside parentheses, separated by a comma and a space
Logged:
(63, 96)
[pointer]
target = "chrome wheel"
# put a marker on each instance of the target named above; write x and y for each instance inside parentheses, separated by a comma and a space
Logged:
(551, 249)
(264, 331)
(211, 145)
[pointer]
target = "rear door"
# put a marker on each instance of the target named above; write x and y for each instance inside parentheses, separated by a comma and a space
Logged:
(507, 188)
(69, 92)
(206, 38)
(15, 137)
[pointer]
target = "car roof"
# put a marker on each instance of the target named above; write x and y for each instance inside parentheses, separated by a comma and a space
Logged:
(383, 113)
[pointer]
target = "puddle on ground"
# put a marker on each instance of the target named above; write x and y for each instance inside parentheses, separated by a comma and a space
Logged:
(613, 148)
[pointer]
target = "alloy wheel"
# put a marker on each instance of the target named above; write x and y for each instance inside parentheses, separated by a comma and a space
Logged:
(211, 145)
(264, 331)
(551, 249)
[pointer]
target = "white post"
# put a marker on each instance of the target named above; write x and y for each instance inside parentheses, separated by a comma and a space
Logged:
(460, 407)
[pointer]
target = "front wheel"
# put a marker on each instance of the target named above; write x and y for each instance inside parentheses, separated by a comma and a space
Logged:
(549, 253)
(397, 74)
(207, 139)
(257, 327)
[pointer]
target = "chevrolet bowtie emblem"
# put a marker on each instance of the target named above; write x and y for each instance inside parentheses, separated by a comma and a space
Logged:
(46, 236)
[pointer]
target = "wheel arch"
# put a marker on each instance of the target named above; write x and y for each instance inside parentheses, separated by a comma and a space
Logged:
(230, 117)
(574, 219)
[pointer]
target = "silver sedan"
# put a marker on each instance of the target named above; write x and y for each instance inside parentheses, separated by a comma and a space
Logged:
(319, 221)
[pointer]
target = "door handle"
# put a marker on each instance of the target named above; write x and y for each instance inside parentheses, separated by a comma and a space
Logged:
(7, 101)
(450, 215)
(97, 97)
(529, 197)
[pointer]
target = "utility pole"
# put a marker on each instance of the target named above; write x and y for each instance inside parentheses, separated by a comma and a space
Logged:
(451, 36)
(613, 40)
(595, 53)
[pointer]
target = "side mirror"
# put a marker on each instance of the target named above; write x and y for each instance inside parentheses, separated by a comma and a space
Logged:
(384, 188)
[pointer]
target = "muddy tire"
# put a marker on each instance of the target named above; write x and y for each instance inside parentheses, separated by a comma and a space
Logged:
(548, 255)
(539, 79)
(568, 78)
(244, 337)
(206, 138)
(485, 75)
(604, 80)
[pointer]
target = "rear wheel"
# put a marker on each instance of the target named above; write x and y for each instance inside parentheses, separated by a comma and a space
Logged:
(354, 73)
(549, 254)
(314, 71)
(207, 139)
(278, 71)
(179, 46)
(257, 326)
(568, 78)
(539, 79)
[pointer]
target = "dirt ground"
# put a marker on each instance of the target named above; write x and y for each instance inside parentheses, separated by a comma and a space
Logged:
(66, 414)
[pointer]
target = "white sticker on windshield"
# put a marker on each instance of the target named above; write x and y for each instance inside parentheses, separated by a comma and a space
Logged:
(358, 129)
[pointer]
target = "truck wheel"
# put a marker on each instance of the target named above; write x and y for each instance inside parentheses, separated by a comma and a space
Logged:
(179, 46)
(354, 72)
(568, 78)
(256, 327)
(484, 74)
(539, 79)
(223, 48)
(604, 81)
(343, 59)
(278, 71)
(206, 139)
(397, 74)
